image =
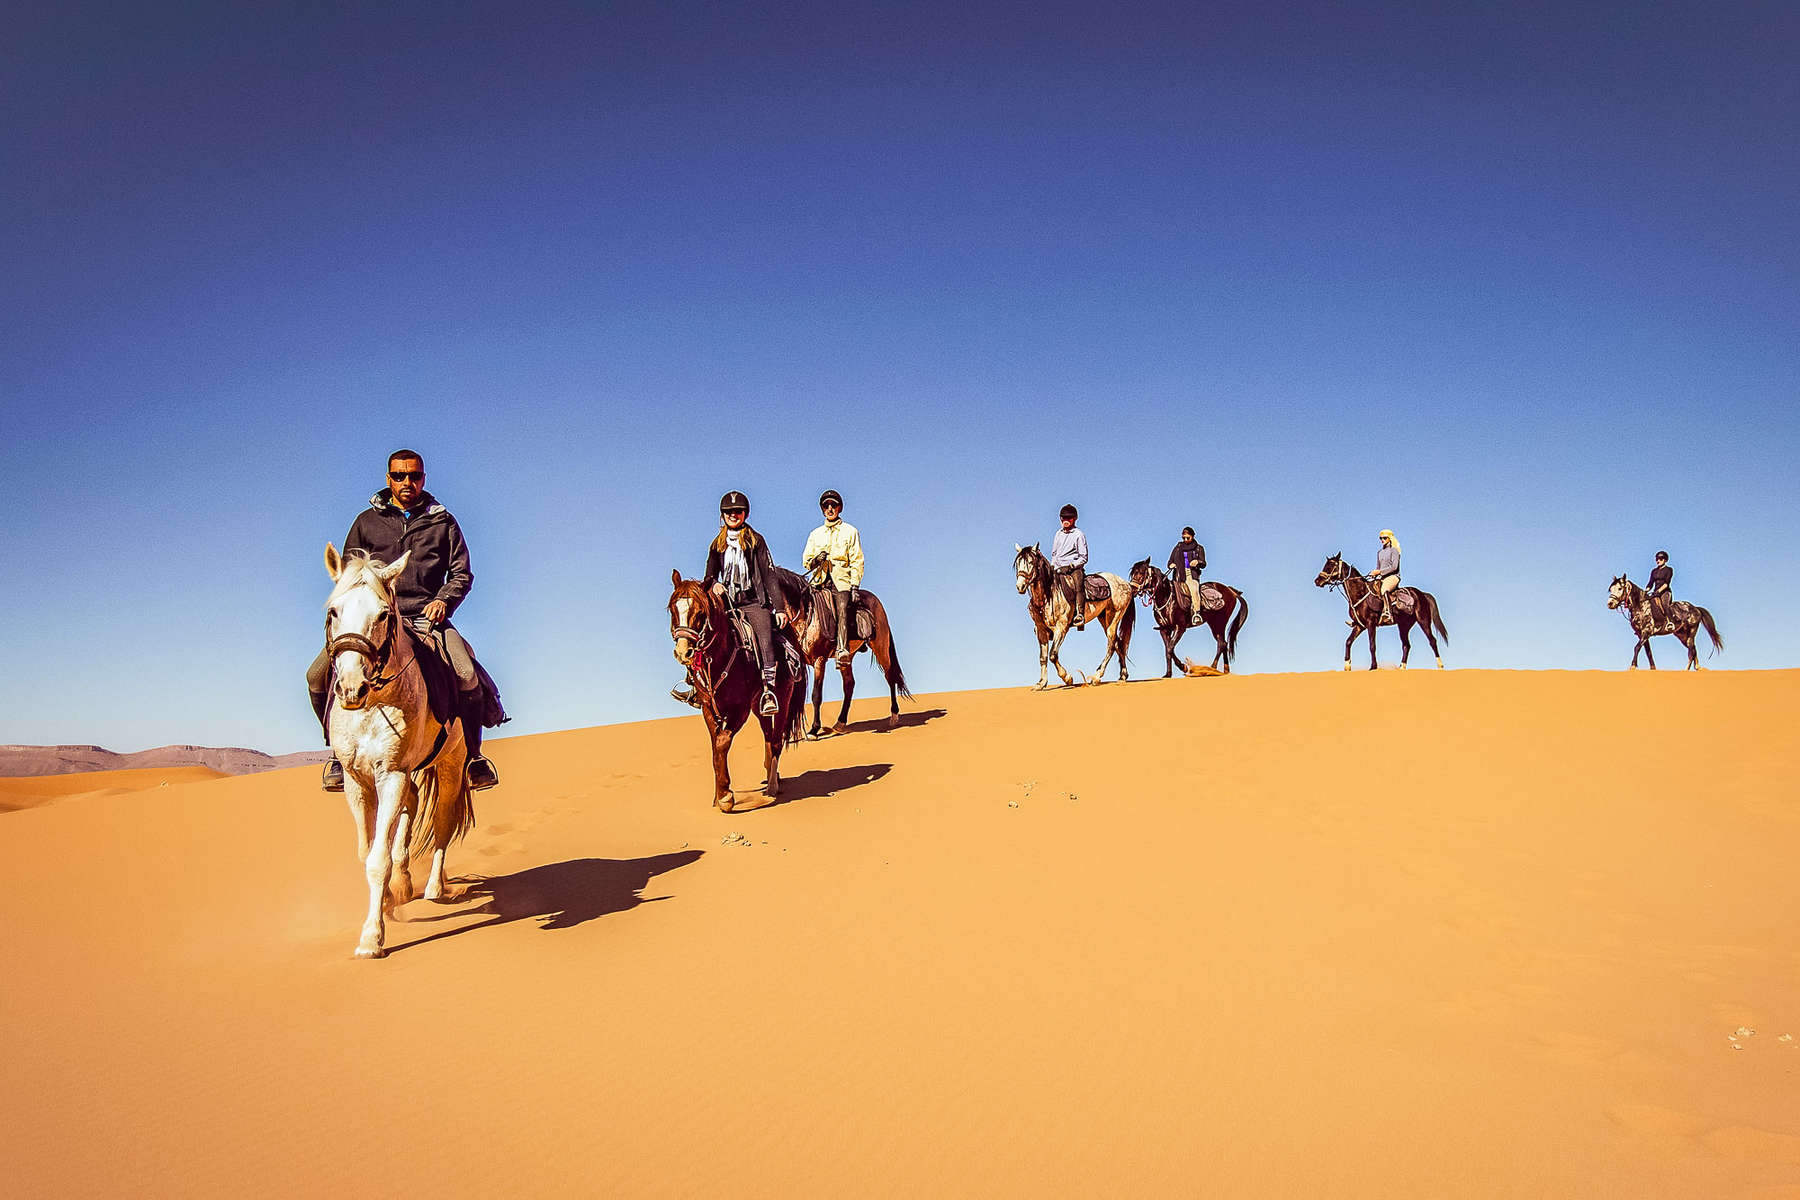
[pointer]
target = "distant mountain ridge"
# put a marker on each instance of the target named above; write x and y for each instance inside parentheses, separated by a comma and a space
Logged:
(19, 761)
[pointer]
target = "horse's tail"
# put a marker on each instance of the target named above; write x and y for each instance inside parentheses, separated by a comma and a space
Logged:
(1126, 624)
(1237, 623)
(1437, 621)
(896, 678)
(439, 820)
(794, 729)
(1706, 622)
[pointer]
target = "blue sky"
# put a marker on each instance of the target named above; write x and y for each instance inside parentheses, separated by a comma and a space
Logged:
(1521, 283)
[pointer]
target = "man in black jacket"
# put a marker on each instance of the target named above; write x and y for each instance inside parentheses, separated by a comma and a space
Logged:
(1186, 561)
(404, 517)
(1662, 596)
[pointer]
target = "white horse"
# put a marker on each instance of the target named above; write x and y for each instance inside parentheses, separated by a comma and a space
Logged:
(403, 768)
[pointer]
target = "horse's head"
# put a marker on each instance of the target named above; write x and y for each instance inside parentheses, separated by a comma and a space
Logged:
(1334, 572)
(361, 622)
(1027, 564)
(1144, 579)
(691, 612)
(1619, 593)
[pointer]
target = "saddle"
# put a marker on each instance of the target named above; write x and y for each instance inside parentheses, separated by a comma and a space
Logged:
(862, 621)
(441, 687)
(789, 666)
(1097, 588)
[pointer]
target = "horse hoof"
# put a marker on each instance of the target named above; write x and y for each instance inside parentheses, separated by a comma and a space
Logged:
(840, 727)
(1403, 666)
(1440, 664)
(894, 721)
(370, 952)
(724, 804)
(1346, 666)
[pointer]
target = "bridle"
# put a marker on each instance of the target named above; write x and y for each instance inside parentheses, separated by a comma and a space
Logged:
(377, 656)
(702, 634)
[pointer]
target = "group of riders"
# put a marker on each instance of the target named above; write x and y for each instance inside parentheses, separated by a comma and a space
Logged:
(404, 518)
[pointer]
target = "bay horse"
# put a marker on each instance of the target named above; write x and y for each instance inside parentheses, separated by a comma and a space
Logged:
(728, 684)
(1172, 610)
(1052, 615)
(1684, 623)
(403, 766)
(1415, 606)
(814, 620)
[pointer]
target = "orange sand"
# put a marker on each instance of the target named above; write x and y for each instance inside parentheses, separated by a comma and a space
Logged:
(29, 791)
(1424, 934)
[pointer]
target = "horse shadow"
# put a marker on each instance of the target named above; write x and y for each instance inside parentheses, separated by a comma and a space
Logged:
(811, 785)
(557, 895)
(909, 720)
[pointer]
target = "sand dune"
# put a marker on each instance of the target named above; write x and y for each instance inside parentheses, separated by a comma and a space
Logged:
(1423, 934)
(32, 790)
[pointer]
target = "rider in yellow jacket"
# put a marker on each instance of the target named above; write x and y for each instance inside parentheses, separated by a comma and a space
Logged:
(834, 560)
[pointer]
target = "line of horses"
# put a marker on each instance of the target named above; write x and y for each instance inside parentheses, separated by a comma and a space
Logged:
(404, 757)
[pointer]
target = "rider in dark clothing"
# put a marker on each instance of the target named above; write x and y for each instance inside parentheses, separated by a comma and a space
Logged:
(1186, 561)
(404, 518)
(739, 568)
(1662, 598)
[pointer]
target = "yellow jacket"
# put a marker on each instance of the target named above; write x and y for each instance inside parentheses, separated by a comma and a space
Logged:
(843, 554)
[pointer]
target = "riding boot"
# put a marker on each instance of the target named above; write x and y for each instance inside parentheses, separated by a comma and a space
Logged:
(840, 602)
(1080, 598)
(478, 771)
(769, 705)
(332, 779)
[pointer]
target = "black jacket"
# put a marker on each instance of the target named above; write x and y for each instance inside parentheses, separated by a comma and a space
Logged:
(1660, 579)
(763, 584)
(1184, 556)
(439, 566)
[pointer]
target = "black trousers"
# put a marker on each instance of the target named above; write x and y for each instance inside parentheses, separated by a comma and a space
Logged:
(762, 632)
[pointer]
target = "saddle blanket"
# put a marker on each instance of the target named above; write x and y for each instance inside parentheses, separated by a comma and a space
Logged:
(1402, 600)
(863, 624)
(1212, 597)
(1098, 588)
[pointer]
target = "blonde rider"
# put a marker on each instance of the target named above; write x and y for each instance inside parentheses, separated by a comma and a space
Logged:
(1387, 572)
(841, 569)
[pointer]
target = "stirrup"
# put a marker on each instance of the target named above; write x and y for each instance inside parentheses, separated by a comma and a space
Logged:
(480, 773)
(332, 779)
(769, 705)
(687, 696)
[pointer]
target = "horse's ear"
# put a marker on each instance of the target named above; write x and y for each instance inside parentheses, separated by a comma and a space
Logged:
(675, 577)
(1017, 547)
(334, 562)
(392, 571)
(1038, 546)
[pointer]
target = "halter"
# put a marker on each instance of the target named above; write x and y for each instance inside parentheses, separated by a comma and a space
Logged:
(376, 656)
(701, 666)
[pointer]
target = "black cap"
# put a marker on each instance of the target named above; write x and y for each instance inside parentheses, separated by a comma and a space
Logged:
(1068, 510)
(830, 496)
(732, 500)
(1186, 530)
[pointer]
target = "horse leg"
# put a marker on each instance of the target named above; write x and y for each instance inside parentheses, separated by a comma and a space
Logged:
(1691, 640)
(1168, 653)
(1056, 641)
(771, 757)
(362, 810)
(376, 864)
(1649, 654)
(818, 699)
(1405, 628)
(400, 886)
(1218, 632)
(1372, 664)
(1349, 642)
(452, 788)
(849, 677)
(721, 746)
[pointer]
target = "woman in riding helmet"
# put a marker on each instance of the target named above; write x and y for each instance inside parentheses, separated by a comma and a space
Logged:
(740, 571)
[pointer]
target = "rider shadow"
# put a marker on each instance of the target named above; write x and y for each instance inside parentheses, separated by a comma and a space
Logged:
(811, 785)
(905, 721)
(559, 895)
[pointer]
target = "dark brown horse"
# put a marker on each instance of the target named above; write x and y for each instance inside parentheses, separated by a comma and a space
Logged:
(1052, 614)
(1684, 622)
(1173, 612)
(813, 618)
(729, 684)
(1409, 606)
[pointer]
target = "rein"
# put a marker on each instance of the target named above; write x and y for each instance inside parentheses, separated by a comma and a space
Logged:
(704, 640)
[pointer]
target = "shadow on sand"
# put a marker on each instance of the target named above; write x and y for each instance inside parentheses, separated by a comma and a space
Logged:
(880, 724)
(557, 895)
(810, 785)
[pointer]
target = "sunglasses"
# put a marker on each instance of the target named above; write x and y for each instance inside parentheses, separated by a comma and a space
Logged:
(733, 512)
(402, 476)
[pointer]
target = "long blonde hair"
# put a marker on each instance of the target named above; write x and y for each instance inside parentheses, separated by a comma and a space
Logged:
(749, 539)
(1389, 535)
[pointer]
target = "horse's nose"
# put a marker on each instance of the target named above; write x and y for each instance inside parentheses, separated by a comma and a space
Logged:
(352, 696)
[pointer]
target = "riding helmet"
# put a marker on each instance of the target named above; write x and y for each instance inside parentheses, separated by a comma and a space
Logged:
(1662, 555)
(830, 496)
(1068, 510)
(731, 500)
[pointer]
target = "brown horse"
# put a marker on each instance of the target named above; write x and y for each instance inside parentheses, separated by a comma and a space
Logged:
(1052, 614)
(1409, 606)
(1684, 623)
(814, 621)
(729, 685)
(1172, 611)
